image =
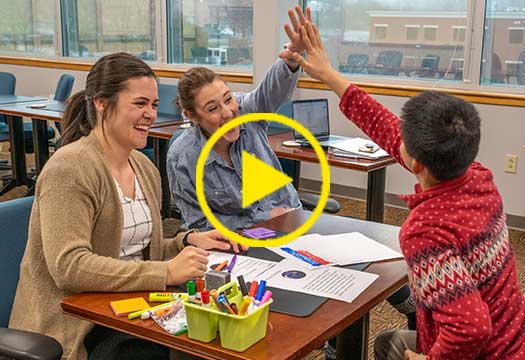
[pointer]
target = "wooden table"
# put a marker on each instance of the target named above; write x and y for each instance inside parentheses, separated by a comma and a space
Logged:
(288, 337)
(376, 169)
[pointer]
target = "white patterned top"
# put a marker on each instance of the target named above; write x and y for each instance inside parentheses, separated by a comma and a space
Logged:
(137, 224)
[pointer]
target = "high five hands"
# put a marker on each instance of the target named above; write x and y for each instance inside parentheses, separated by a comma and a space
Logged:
(316, 62)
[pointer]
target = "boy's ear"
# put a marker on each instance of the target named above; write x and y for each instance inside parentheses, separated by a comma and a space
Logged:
(416, 166)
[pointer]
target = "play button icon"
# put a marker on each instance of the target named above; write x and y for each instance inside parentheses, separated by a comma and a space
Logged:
(259, 179)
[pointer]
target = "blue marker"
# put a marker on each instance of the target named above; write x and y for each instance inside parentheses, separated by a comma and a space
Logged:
(260, 290)
(300, 256)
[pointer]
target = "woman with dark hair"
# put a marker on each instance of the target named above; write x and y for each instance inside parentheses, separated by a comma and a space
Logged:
(95, 224)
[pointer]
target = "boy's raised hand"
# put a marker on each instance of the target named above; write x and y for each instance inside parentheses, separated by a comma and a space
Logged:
(316, 64)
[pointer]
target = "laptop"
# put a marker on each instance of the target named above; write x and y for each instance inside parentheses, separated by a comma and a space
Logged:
(313, 115)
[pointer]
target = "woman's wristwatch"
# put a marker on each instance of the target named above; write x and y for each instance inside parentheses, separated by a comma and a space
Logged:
(185, 241)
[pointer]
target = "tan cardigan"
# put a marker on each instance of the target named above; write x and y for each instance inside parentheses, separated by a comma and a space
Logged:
(74, 240)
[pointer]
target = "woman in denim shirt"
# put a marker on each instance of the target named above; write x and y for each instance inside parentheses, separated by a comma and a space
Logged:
(208, 102)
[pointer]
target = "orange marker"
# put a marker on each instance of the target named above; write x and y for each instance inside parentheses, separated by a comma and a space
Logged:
(253, 289)
(222, 265)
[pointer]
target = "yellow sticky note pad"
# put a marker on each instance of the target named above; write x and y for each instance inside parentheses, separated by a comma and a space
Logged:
(124, 307)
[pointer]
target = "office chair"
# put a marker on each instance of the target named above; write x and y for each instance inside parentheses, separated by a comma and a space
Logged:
(62, 92)
(388, 62)
(429, 66)
(174, 210)
(355, 64)
(293, 169)
(7, 87)
(167, 95)
(17, 344)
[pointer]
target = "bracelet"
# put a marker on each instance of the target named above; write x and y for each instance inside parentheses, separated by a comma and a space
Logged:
(185, 241)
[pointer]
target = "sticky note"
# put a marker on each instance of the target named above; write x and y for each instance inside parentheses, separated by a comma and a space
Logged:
(259, 233)
(124, 307)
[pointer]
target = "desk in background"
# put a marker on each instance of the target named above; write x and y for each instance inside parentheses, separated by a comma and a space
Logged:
(376, 169)
(288, 337)
(15, 107)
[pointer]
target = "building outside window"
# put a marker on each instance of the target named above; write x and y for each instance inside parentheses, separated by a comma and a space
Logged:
(412, 32)
(28, 26)
(430, 32)
(214, 32)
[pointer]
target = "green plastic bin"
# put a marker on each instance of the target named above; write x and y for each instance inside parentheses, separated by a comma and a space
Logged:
(236, 332)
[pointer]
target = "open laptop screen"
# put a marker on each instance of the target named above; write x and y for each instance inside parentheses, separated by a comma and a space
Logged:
(313, 115)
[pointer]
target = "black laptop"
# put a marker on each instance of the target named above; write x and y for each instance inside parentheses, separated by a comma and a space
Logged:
(313, 115)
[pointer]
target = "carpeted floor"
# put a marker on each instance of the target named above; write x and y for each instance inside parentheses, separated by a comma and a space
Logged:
(382, 316)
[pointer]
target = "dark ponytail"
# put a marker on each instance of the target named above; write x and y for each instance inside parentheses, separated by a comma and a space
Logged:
(76, 121)
(106, 79)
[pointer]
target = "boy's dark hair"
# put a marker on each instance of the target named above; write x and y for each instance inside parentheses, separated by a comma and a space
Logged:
(442, 132)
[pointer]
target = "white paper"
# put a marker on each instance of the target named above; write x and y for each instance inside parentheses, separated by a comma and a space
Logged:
(340, 249)
(331, 282)
(250, 268)
(352, 146)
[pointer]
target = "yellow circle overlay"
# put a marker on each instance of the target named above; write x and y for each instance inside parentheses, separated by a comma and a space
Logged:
(325, 177)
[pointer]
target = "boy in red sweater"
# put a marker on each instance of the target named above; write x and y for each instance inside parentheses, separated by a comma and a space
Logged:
(462, 269)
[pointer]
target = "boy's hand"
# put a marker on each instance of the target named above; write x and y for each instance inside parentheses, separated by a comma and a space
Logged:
(410, 355)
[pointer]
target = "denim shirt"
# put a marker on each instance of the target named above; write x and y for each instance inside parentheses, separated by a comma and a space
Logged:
(223, 182)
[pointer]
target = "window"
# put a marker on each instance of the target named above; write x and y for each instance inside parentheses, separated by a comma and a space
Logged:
(412, 32)
(503, 62)
(94, 28)
(214, 32)
(385, 37)
(28, 26)
(515, 36)
(430, 32)
(381, 32)
(458, 33)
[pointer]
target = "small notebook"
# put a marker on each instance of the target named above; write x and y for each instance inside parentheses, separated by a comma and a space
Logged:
(124, 307)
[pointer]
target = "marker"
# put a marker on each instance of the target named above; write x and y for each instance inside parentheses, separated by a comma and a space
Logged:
(222, 300)
(260, 291)
(191, 288)
(139, 313)
(221, 265)
(166, 296)
(234, 308)
(244, 306)
(242, 285)
(205, 298)
(314, 257)
(300, 256)
(214, 293)
(232, 263)
(266, 297)
(253, 289)
(199, 283)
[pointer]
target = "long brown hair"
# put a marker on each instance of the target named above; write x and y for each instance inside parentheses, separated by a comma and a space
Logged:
(190, 83)
(105, 80)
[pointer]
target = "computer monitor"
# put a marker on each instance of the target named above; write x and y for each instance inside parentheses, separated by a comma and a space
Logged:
(313, 115)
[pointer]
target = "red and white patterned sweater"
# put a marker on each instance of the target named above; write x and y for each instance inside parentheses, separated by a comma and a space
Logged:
(462, 269)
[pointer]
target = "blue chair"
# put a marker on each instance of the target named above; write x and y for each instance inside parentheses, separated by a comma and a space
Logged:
(7, 87)
(167, 95)
(17, 344)
(293, 168)
(174, 210)
(62, 92)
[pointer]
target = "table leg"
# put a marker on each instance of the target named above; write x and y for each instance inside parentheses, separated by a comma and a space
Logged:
(375, 195)
(160, 152)
(40, 144)
(352, 342)
(18, 155)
